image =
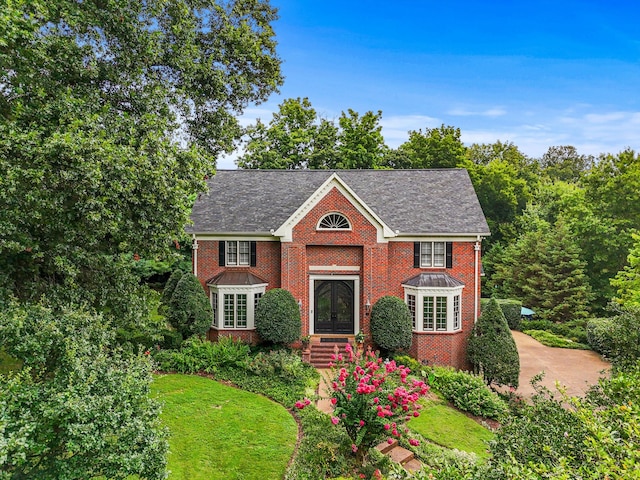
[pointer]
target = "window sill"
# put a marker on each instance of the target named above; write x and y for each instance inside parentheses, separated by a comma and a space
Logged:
(436, 332)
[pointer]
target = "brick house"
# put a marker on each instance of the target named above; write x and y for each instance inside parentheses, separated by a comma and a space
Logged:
(338, 241)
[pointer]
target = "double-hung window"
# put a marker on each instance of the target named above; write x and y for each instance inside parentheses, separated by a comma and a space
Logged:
(433, 255)
(238, 253)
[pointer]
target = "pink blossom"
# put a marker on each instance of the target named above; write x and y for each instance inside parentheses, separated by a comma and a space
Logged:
(376, 400)
(334, 401)
(387, 426)
(300, 405)
(354, 448)
(416, 414)
(307, 401)
(335, 420)
(361, 423)
(414, 442)
(389, 440)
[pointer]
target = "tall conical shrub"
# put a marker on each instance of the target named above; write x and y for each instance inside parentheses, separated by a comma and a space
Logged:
(492, 350)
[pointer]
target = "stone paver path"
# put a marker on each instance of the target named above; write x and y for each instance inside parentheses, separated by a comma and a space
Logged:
(574, 369)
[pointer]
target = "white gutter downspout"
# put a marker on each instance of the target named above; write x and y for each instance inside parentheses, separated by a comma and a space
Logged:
(475, 282)
(195, 256)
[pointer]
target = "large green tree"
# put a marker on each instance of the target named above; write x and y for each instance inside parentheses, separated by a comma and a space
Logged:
(544, 270)
(627, 280)
(111, 115)
(79, 407)
(439, 147)
(296, 137)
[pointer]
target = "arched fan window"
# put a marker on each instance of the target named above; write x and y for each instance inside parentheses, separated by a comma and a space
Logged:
(334, 221)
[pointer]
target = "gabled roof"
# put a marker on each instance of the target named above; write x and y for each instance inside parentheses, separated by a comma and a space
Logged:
(420, 202)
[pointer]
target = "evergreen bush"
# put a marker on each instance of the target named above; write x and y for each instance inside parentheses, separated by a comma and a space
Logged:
(600, 333)
(492, 350)
(169, 288)
(391, 327)
(512, 310)
(189, 310)
(277, 317)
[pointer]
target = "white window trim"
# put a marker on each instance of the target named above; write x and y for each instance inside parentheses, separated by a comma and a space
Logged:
(237, 243)
(421, 292)
(222, 290)
(433, 249)
(324, 229)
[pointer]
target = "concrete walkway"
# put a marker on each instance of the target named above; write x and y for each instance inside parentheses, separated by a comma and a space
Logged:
(574, 369)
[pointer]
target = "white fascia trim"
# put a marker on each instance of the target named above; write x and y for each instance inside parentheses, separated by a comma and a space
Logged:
(285, 231)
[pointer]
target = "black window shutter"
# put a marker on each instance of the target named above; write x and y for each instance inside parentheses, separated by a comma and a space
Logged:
(449, 254)
(252, 249)
(416, 254)
(222, 249)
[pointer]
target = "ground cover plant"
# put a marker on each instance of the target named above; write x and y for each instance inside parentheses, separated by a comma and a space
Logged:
(573, 330)
(552, 340)
(221, 432)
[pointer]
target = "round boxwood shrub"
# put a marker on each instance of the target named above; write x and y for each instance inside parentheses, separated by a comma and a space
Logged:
(277, 317)
(189, 309)
(391, 324)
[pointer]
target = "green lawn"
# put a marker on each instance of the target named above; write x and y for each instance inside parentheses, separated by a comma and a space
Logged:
(219, 432)
(451, 428)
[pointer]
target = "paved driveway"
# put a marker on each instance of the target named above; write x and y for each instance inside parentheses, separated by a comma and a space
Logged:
(575, 369)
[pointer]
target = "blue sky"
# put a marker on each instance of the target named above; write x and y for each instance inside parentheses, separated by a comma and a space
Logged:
(534, 73)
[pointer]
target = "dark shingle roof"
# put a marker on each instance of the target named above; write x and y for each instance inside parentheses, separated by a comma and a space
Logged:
(410, 201)
(235, 278)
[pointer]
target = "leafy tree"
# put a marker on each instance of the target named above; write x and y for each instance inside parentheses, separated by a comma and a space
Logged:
(391, 326)
(492, 350)
(189, 308)
(111, 114)
(78, 408)
(544, 270)
(565, 164)
(277, 317)
(360, 142)
(295, 138)
(439, 147)
(627, 280)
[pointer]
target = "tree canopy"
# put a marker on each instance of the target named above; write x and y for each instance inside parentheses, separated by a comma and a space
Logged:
(111, 115)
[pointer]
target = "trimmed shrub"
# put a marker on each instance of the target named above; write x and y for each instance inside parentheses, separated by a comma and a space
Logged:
(600, 333)
(492, 350)
(170, 286)
(468, 392)
(391, 327)
(277, 317)
(189, 309)
(512, 310)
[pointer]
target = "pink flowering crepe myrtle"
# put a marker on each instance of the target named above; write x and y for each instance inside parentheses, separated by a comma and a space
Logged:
(372, 399)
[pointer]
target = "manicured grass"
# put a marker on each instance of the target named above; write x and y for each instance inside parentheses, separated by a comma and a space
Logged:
(220, 432)
(8, 363)
(451, 428)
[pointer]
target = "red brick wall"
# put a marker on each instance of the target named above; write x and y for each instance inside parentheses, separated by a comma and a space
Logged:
(383, 269)
(267, 262)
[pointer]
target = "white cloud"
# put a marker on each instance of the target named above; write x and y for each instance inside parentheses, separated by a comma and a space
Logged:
(465, 112)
